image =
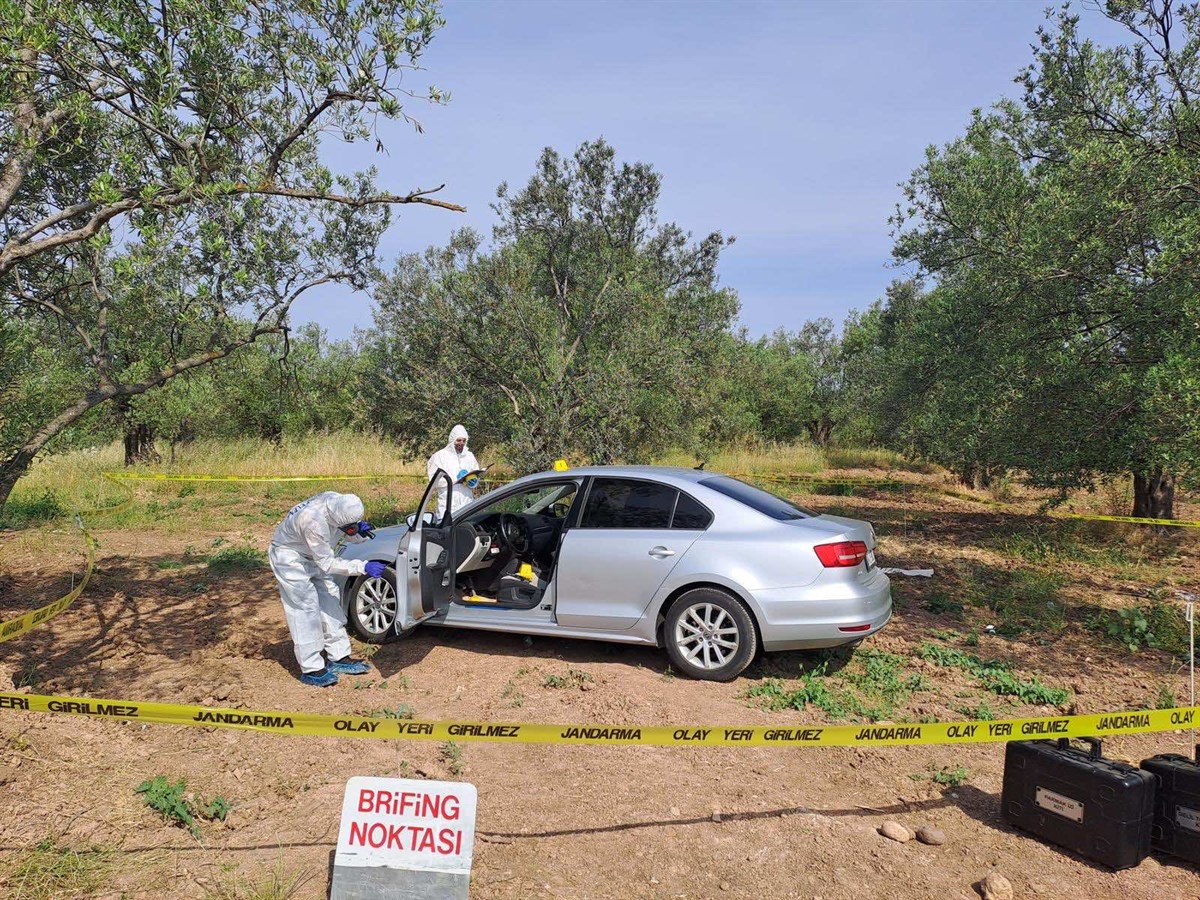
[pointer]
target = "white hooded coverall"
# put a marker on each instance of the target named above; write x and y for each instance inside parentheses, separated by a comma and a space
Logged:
(302, 559)
(450, 460)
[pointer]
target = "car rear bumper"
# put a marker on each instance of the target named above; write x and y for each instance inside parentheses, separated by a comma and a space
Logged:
(827, 613)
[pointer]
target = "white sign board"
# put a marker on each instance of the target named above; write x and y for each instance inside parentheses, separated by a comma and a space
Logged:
(424, 828)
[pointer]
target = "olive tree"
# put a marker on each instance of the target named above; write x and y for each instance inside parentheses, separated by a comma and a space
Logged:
(587, 329)
(162, 198)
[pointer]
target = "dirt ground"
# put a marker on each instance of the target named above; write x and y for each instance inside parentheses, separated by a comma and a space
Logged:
(159, 622)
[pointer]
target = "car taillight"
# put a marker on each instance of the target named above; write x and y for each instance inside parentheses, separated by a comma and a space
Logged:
(843, 554)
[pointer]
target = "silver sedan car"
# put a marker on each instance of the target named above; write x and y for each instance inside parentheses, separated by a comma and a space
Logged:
(705, 565)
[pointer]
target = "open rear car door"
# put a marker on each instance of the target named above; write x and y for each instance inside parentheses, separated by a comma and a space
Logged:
(426, 562)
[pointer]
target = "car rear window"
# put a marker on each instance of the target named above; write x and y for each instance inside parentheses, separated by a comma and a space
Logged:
(690, 514)
(756, 498)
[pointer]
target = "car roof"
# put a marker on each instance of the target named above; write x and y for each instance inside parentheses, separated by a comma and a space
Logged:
(675, 472)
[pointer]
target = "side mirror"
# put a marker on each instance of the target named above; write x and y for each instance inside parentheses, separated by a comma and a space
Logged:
(426, 519)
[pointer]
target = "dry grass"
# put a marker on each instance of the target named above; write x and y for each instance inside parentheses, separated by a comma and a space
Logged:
(774, 458)
(277, 884)
(47, 871)
(59, 484)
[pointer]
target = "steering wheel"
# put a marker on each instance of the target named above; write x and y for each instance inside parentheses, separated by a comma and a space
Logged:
(516, 533)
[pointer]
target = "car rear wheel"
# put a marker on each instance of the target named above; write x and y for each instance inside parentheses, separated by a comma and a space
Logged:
(709, 635)
(373, 607)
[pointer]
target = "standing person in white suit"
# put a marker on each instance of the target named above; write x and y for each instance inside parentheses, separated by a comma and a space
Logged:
(456, 460)
(302, 558)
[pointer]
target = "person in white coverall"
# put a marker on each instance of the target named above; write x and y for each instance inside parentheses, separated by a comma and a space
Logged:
(302, 558)
(458, 461)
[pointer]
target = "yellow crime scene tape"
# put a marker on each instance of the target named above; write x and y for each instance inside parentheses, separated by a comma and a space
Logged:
(793, 735)
(160, 476)
(1130, 519)
(27, 621)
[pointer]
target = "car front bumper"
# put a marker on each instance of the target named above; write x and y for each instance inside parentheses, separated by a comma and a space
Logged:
(827, 613)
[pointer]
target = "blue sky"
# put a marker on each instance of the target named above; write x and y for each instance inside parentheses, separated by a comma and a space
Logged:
(786, 124)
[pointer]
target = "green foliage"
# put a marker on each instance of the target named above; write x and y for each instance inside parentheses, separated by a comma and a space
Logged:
(575, 678)
(452, 755)
(771, 694)
(165, 202)
(24, 510)
(1063, 335)
(995, 676)
(168, 800)
(401, 711)
(584, 304)
(1166, 698)
(982, 711)
(1156, 626)
(871, 688)
(236, 559)
(177, 807)
(951, 778)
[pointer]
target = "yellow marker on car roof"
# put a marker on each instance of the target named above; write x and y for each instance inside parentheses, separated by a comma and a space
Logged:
(560, 465)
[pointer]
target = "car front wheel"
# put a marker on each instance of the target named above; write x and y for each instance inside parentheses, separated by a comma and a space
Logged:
(709, 635)
(373, 607)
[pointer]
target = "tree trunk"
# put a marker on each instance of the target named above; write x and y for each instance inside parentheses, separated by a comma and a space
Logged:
(1154, 495)
(139, 444)
(820, 431)
(139, 437)
(11, 471)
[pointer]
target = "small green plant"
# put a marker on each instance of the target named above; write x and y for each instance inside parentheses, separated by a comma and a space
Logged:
(217, 810)
(168, 801)
(813, 691)
(982, 712)
(948, 777)
(236, 559)
(29, 677)
(1157, 626)
(513, 694)
(451, 754)
(940, 604)
(574, 678)
(172, 802)
(402, 711)
(996, 676)
(1166, 698)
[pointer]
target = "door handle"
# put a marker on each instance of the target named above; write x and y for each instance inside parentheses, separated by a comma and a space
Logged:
(661, 552)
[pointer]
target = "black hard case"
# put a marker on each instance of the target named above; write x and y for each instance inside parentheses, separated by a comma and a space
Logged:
(1099, 808)
(1176, 826)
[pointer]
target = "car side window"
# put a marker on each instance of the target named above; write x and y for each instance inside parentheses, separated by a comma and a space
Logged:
(690, 514)
(622, 503)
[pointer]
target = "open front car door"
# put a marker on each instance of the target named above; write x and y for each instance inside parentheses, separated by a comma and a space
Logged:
(426, 560)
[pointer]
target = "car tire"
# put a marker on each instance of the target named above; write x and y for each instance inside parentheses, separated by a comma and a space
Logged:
(372, 607)
(709, 635)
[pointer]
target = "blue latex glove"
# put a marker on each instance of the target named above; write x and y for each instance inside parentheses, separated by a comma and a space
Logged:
(472, 483)
(462, 473)
(367, 530)
(375, 569)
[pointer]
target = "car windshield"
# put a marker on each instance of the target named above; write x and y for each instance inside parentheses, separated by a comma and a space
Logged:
(756, 498)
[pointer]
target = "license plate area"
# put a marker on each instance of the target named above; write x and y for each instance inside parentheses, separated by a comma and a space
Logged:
(870, 561)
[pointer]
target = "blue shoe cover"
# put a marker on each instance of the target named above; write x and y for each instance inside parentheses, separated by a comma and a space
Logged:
(348, 666)
(323, 678)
